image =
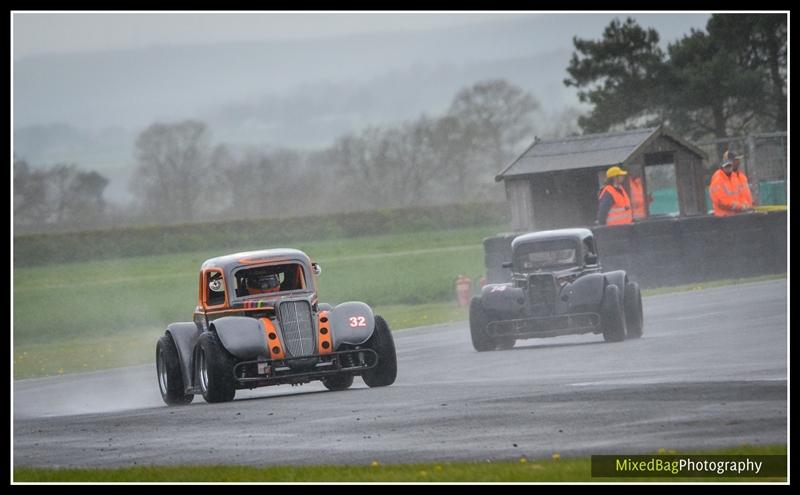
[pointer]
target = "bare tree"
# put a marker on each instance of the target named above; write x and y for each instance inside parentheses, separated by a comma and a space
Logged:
(81, 202)
(30, 194)
(172, 167)
(501, 113)
(60, 179)
(462, 156)
(245, 183)
(364, 167)
(412, 159)
(63, 195)
(255, 183)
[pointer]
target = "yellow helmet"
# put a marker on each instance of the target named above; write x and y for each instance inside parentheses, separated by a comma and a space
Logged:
(615, 171)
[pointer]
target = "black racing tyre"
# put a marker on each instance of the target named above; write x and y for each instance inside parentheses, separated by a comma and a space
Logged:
(612, 316)
(505, 343)
(214, 367)
(634, 318)
(478, 321)
(168, 373)
(385, 372)
(339, 382)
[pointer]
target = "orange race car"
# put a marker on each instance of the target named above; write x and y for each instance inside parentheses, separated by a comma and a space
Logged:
(258, 323)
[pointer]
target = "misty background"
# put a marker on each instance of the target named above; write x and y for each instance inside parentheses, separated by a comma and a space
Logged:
(286, 113)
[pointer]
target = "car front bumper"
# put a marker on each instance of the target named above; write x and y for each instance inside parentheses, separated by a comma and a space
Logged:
(545, 326)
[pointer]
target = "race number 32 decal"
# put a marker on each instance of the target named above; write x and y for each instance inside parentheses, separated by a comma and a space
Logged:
(357, 321)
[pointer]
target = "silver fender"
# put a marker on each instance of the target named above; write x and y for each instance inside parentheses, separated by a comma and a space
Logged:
(242, 336)
(184, 335)
(585, 294)
(351, 323)
(617, 277)
(504, 300)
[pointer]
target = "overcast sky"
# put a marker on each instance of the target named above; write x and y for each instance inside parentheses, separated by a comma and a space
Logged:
(36, 33)
(321, 83)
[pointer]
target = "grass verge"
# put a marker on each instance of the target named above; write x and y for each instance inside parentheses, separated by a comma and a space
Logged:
(553, 469)
(711, 284)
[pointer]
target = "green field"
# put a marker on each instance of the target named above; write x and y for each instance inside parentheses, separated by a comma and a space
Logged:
(552, 469)
(91, 315)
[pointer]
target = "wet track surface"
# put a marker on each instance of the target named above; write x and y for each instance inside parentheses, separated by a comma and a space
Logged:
(709, 372)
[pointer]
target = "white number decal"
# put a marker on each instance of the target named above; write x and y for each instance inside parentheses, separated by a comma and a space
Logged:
(358, 321)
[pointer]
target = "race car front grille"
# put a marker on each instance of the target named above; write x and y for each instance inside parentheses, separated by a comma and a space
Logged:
(542, 290)
(297, 328)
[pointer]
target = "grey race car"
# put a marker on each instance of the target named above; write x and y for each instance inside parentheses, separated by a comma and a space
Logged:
(557, 288)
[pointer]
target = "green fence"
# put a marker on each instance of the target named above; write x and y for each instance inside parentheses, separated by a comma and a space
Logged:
(665, 202)
(772, 192)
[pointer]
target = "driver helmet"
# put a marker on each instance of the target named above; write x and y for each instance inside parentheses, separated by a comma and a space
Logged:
(263, 282)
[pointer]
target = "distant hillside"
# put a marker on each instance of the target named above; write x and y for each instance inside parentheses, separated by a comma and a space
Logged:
(88, 107)
(315, 114)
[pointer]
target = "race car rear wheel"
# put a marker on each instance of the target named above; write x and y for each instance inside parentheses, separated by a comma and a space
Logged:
(385, 372)
(612, 316)
(634, 319)
(340, 382)
(214, 365)
(168, 372)
(478, 321)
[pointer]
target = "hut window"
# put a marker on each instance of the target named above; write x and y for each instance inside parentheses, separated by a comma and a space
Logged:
(659, 175)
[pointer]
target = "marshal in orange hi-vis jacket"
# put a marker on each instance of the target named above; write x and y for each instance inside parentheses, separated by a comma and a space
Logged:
(729, 190)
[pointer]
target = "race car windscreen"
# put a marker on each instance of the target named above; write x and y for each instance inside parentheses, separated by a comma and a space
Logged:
(554, 254)
(269, 279)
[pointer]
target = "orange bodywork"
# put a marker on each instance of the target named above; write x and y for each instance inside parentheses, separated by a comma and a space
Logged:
(325, 342)
(273, 342)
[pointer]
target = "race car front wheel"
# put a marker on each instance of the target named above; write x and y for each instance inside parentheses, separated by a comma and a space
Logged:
(634, 318)
(338, 382)
(168, 371)
(385, 372)
(612, 316)
(478, 321)
(214, 367)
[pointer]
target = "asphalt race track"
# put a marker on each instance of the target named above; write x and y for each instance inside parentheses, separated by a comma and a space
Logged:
(710, 371)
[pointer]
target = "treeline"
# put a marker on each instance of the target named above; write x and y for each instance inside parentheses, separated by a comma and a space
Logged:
(181, 176)
(62, 194)
(41, 249)
(728, 80)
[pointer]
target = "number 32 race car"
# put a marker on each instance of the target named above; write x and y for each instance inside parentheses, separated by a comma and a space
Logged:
(258, 323)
